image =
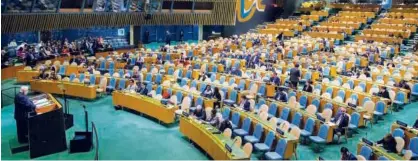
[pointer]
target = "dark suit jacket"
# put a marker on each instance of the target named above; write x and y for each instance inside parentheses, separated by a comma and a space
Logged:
(415, 124)
(294, 75)
(281, 97)
(247, 106)
(23, 105)
(275, 80)
(389, 145)
(307, 88)
(200, 114)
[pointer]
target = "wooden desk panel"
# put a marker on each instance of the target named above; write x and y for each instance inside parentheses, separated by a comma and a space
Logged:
(71, 89)
(144, 104)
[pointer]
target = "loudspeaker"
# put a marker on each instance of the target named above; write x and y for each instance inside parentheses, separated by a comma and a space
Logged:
(82, 142)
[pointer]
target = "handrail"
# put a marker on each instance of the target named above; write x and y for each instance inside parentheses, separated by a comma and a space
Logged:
(93, 126)
(8, 96)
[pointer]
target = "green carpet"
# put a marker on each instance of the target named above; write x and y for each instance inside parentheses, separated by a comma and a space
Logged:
(125, 135)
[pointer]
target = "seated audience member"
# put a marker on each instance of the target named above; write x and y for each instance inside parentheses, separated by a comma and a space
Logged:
(281, 95)
(142, 90)
(202, 76)
(388, 142)
(341, 119)
(245, 103)
(275, 80)
(207, 92)
(53, 75)
(132, 86)
(216, 120)
(199, 113)
(347, 155)
(404, 85)
(308, 86)
(217, 95)
(383, 92)
(126, 75)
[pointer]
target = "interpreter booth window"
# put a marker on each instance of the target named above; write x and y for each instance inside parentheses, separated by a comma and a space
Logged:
(17, 6)
(182, 6)
(203, 7)
(71, 5)
(45, 6)
(88, 6)
(166, 6)
(137, 6)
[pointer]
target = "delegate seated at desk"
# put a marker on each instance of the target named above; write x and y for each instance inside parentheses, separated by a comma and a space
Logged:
(199, 113)
(208, 92)
(275, 80)
(341, 119)
(23, 106)
(43, 74)
(218, 97)
(142, 90)
(281, 95)
(132, 86)
(245, 103)
(308, 86)
(389, 143)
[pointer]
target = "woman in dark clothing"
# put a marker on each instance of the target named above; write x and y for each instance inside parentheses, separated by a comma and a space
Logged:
(389, 143)
(218, 97)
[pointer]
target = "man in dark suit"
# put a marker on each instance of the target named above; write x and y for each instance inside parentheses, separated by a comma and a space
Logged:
(294, 76)
(245, 103)
(199, 113)
(308, 86)
(142, 90)
(281, 95)
(275, 80)
(23, 106)
(342, 121)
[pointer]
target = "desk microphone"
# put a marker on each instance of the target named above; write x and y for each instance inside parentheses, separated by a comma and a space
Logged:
(229, 148)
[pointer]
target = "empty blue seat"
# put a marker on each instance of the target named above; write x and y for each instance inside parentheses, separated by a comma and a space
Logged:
(272, 110)
(296, 120)
(398, 133)
(232, 98)
(321, 138)
(225, 113)
(62, 70)
(303, 101)
(121, 84)
(355, 119)
(278, 153)
(268, 141)
(112, 84)
(366, 152)
(256, 136)
(235, 120)
(283, 115)
(308, 129)
(245, 128)
(92, 79)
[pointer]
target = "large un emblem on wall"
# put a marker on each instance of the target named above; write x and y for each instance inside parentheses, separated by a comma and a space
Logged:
(246, 9)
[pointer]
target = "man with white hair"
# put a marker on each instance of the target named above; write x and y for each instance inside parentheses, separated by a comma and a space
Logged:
(23, 106)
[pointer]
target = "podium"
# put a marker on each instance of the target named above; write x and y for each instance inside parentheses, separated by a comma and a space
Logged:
(46, 127)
